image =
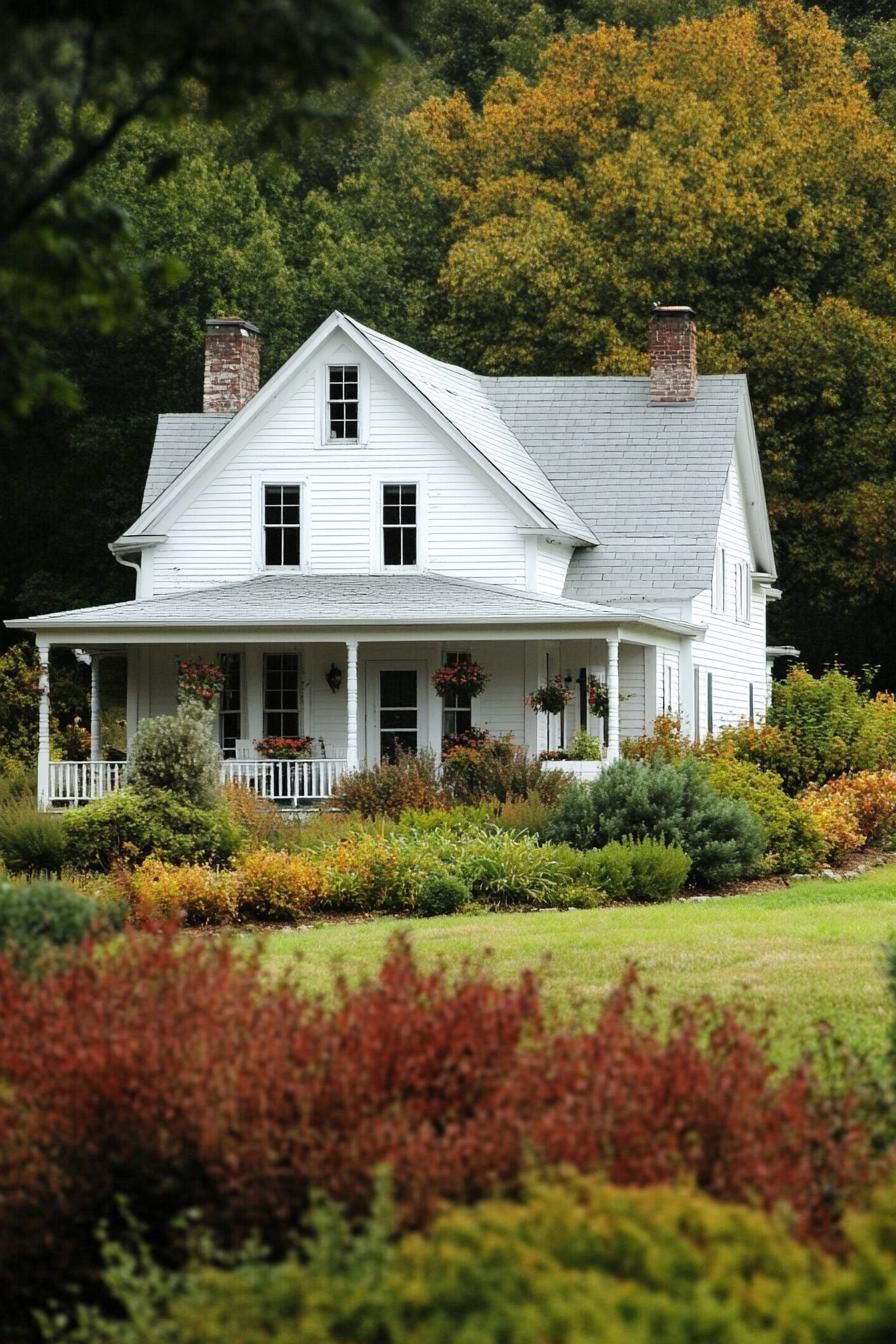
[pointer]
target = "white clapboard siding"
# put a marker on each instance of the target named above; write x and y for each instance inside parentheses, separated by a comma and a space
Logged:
(733, 651)
(632, 710)
(467, 529)
(551, 563)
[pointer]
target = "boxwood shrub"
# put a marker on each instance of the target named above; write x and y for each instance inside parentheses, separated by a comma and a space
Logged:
(130, 826)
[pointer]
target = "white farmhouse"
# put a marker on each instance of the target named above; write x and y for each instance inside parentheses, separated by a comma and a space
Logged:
(370, 513)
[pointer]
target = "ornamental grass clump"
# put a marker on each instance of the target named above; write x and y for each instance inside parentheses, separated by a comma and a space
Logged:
(178, 1077)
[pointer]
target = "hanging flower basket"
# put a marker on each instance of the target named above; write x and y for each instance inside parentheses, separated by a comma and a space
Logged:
(552, 698)
(284, 748)
(468, 678)
(598, 698)
(198, 681)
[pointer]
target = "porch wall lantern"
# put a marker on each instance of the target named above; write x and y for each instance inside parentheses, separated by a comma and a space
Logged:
(333, 678)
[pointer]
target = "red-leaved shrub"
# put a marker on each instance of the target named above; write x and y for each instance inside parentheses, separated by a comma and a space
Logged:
(181, 1078)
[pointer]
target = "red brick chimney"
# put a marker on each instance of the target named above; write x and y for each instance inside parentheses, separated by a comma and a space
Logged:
(672, 346)
(232, 364)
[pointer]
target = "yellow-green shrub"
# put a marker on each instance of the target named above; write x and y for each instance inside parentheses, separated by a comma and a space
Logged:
(573, 1262)
(794, 840)
(192, 892)
(837, 820)
(875, 746)
(272, 884)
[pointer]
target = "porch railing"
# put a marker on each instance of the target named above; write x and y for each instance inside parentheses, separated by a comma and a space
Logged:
(73, 782)
(287, 783)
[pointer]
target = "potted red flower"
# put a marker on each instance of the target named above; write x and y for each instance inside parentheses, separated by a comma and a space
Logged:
(552, 698)
(199, 682)
(284, 748)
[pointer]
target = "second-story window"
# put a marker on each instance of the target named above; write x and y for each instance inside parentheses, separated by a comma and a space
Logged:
(282, 530)
(342, 403)
(399, 524)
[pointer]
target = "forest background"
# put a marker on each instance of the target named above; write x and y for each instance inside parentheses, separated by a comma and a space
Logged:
(513, 193)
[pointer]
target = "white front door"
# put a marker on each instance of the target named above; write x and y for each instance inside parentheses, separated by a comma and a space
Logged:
(396, 712)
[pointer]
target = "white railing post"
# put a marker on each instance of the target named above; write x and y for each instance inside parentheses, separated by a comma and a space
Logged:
(351, 694)
(43, 726)
(613, 698)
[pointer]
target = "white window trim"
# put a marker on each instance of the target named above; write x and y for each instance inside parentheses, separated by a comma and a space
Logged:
(259, 481)
(377, 562)
(342, 355)
(743, 592)
(719, 581)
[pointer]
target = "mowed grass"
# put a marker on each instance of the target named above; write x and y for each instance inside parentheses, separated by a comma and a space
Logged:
(812, 952)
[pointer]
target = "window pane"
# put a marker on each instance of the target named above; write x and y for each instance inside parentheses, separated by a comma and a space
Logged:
(398, 689)
(410, 546)
(391, 494)
(291, 546)
(392, 546)
(272, 547)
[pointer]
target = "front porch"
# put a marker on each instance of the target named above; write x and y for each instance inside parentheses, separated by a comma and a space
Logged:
(347, 661)
(358, 701)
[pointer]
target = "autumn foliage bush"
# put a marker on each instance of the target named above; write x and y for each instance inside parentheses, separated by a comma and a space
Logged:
(180, 1078)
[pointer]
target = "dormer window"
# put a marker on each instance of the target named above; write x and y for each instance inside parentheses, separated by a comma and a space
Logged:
(342, 403)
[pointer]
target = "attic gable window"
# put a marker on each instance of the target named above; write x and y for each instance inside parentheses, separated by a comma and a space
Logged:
(743, 591)
(342, 403)
(282, 524)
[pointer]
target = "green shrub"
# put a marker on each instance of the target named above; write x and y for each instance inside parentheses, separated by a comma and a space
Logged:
(16, 782)
(39, 919)
(452, 819)
(129, 826)
(31, 841)
(387, 790)
(875, 746)
(794, 840)
(584, 746)
(642, 870)
(822, 718)
(442, 895)
(177, 753)
(573, 1261)
(676, 803)
(529, 815)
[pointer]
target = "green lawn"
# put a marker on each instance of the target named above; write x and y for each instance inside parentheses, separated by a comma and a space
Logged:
(813, 951)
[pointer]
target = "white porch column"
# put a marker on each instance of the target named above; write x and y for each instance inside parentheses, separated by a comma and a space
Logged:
(351, 695)
(613, 697)
(43, 727)
(96, 723)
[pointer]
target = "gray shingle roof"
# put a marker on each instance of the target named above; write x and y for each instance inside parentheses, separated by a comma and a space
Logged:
(340, 600)
(648, 479)
(178, 439)
(460, 396)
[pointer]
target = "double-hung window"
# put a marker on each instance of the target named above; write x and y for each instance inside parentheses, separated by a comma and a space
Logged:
(457, 705)
(282, 524)
(282, 695)
(342, 403)
(230, 717)
(399, 525)
(742, 591)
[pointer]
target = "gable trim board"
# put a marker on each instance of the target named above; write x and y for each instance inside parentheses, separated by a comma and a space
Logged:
(549, 509)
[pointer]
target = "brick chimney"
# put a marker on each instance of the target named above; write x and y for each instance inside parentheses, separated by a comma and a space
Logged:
(672, 346)
(232, 364)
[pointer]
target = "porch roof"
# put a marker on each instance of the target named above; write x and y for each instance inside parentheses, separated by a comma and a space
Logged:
(344, 602)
